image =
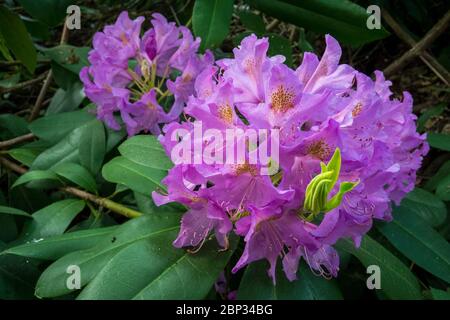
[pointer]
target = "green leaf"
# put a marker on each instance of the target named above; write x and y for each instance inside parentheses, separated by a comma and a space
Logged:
(69, 57)
(280, 45)
(55, 247)
(426, 205)
(147, 151)
(8, 228)
(429, 114)
(52, 220)
(91, 261)
(38, 30)
(35, 175)
(443, 189)
(64, 151)
(51, 12)
(156, 270)
(27, 199)
(16, 36)
(66, 100)
(12, 126)
(17, 277)
(77, 174)
(256, 285)
(92, 147)
(252, 22)
(303, 43)
(397, 281)
(135, 176)
(343, 19)
(412, 236)
(211, 21)
(55, 127)
(439, 294)
(14, 211)
(439, 176)
(175, 278)
(439, 140)
(24, 155)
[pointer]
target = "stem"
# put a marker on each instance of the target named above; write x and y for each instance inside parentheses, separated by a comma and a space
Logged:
(418, 48)
(11, 142)
(103, 202)
(37, 106)
(23, 84)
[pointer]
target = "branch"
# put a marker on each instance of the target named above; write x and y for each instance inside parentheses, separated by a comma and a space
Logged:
(37, 106)
(11, 142)
(427, 58)
(104, 202)
(418, 48)
(22, 85)
(6, 64)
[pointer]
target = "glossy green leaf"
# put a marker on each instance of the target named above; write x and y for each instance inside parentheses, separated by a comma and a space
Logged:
(51, 12)
(16, 36)
(343, 19)
(443, 189)
(397, 281)
(91, 261)
(439, 140)
(280, 45)
(14, 211)
(77, 174)
(440, 294)
(147, 151)
(412, 236)
(35, 175)
(211, 21)
(429, 114)
(55, 247)
(252, 22)
(52, 220)
(53, 128)
(12, 126)
(24, 155)
(92, 147)
(66, 100)
(439, 176)
(18, 277)
(135, 176)
(256, 285)
(64, 151)
(69, 57)
(426, 205)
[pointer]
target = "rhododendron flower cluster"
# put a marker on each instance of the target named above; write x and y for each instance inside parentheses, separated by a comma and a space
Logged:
(130, 75)
(347, 149)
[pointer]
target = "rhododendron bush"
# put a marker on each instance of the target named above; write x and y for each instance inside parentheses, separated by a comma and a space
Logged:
(171, 164)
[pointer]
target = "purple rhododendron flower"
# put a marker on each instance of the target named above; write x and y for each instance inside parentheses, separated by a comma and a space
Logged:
(128, 73)
(347, 149)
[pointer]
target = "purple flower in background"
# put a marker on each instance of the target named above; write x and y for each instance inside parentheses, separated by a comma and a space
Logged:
(130, 75)
(347, 149)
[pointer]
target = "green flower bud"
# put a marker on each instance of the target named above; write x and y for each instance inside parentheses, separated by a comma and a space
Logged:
(319, 188)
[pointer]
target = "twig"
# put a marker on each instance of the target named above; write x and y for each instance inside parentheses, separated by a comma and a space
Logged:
(37, 106)
(24, 84)
(12, 166)
(272, 25)
(14, 63)
(11, 142)
(427, 58)
(104, 202)
(417, 48)
(174, 15)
